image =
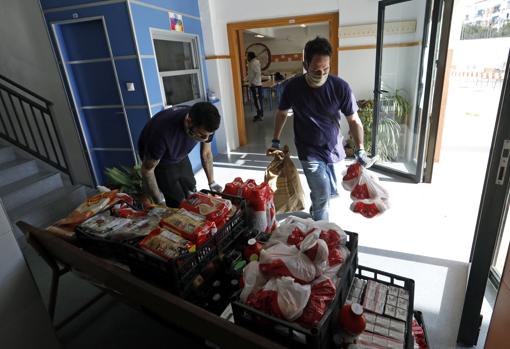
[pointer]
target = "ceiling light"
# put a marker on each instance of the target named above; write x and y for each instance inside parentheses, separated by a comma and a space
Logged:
(302, 25)
(259, 36)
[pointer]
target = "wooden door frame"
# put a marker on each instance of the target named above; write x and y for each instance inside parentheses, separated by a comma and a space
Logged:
(233, 29)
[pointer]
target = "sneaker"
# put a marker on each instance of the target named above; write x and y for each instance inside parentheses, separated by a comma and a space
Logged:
(257, 118)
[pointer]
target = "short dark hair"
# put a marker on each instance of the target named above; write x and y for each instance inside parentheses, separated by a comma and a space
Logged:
(251, 55)
(206, 116)
(317, 46)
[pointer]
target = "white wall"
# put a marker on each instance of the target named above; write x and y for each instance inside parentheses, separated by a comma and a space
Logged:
(25, 323)
(287, 40)
(357, 67)
(27, 58)
(215, 14)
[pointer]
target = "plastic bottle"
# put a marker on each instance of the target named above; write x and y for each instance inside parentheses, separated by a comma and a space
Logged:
(352, 323)
(252, 251)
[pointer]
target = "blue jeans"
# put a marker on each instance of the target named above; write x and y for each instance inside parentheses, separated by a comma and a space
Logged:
(322, 180)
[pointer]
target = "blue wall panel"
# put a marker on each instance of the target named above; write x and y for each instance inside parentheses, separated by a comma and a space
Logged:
(105, 159)
(47, 4)
(137, 120)
(117, 23)
(194, 158)
(152, 80)
(107, 128)
(189, 7)
(128, 70)
(96, 83)
(84, 40)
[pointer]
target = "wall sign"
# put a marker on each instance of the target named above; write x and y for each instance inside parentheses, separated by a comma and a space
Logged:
(176, 22)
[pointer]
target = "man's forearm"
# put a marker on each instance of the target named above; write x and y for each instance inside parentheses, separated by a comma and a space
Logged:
(279, 122)
(150, 185)
(356, 130)
(207, 164)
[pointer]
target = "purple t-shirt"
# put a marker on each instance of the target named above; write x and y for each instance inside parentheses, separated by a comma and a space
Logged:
(316, 117)
(164, 137)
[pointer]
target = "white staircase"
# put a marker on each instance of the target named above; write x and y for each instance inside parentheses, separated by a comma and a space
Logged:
(33, 192)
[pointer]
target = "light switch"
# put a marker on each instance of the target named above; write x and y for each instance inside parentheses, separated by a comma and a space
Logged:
(130, 86)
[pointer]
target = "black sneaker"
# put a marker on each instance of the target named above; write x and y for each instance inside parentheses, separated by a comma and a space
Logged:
(257, 118)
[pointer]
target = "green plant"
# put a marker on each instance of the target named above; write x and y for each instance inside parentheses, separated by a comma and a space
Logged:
(366, 114)
(396, 105)
(388, 133)
(127, 180)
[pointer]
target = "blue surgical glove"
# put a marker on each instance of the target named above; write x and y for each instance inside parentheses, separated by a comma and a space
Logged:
(275, 144)
(215, 187)
(362, 157)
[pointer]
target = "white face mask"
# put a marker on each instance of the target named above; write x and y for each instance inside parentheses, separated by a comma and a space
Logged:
(316, 80)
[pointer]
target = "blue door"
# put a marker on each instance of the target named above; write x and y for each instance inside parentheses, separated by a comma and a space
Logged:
(93, 87)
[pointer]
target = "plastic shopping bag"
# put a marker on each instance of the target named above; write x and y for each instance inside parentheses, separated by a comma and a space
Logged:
(281, 297)
(323, 292)
(253, 280)
(368, 187)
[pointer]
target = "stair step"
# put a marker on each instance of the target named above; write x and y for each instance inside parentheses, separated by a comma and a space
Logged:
(7, 154)
(30, 188)
(49, 208)
(16, 170)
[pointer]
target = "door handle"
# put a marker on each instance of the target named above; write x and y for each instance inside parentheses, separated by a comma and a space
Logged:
(380, 91)
(503, 162)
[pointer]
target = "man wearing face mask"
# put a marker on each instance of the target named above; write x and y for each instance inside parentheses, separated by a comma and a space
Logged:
(316, 99)
(164, 145)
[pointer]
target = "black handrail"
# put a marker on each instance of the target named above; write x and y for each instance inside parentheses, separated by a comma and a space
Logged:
(35, 131)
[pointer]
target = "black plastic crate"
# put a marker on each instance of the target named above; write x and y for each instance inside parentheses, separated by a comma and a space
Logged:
(292, 334)
(104, 248)
(177, 274)
(418, 315)
(389, 279)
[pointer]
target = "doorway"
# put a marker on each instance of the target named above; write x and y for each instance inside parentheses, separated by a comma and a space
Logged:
(236, 38)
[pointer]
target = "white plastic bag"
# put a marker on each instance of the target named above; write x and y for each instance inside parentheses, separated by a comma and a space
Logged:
(283, 260)
(253, 280)
(282, 297)
(368, 187)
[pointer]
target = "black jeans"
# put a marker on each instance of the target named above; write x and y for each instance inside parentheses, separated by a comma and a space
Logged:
(256, 92)
(176, 181)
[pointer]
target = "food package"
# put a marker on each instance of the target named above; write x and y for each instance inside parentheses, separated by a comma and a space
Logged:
(92, 206)
(161, 212)
(213, 208)
(166, 244)
(191, 226)
(368, 187)
(369, 197)
(284, 260)
(260, 200)
(124, 210)
(281, 297)
(352, 177)
(369, 208)
(104, 225)
(137, 227)
(323, 292)
(252, 281)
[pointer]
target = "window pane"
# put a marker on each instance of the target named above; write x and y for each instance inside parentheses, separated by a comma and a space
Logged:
(181, 88)
(500, 259)
(174, 55)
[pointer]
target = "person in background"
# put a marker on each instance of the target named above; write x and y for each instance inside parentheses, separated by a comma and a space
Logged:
(164, 145)
(316, 99)
(255, 81)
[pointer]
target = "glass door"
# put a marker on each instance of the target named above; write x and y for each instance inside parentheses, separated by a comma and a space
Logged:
(491, 240)
(403, 84)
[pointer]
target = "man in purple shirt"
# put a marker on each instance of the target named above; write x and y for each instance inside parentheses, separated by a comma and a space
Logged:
(316, 99)
(164, 145)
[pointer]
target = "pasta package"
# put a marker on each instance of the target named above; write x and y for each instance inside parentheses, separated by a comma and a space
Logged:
(166, 244)
(212, 207)
(191, 226)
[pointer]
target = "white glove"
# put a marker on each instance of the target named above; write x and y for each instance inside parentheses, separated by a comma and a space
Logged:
(215, 187)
